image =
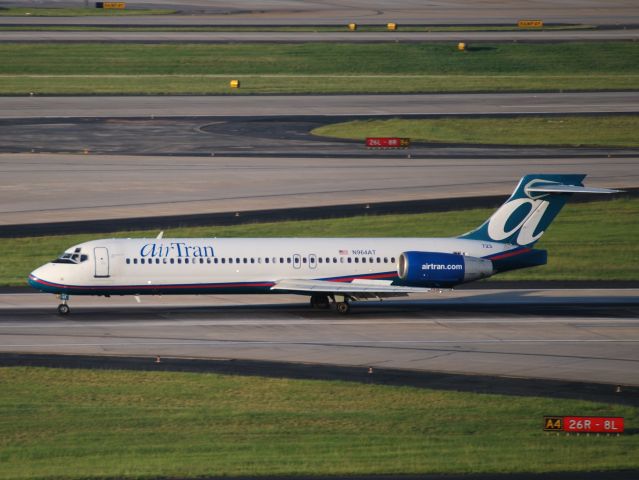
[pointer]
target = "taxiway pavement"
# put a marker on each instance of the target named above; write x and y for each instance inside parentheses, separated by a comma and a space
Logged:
(574, 335)
(21, 107)
(630, 34)
(35, 188)
(321, 12)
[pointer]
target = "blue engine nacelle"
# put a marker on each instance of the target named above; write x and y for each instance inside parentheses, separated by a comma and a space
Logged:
(435, 269)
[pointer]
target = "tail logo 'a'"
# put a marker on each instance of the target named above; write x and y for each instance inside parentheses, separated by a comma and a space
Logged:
(526, 215)
(520, 214)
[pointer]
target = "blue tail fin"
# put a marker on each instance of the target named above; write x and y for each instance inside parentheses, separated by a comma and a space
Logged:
(535, 203)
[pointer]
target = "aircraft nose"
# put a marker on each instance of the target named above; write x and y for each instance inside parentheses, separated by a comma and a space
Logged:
(37, 277)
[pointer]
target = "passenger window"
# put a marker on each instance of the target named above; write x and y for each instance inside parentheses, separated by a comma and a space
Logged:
(349, 260)
(164, 261)
(186, 260)
(281, 259)
(157, 261)
(172, 261)
(320, 260)
(266, 260)
(230, 260)
(303, 259)
(392, 259)
(288, 260)
(334, 259)
(223, 260)
(379, 260)
(356, 260)
(135, 261)
(128, 261)
(252, 260)
(179, 260)
(363, 259)
(142, 261)
(245, 260)
(385, 259)
(202, 260)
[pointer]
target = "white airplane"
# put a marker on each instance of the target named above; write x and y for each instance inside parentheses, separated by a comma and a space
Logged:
(329, 270)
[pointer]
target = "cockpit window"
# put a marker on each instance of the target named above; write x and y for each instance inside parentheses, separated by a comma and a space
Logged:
(72, 258)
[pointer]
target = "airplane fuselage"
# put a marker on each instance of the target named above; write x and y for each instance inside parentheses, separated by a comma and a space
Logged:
(238, 265)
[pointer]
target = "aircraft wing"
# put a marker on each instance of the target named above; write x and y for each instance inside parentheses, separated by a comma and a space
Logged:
(357, 289)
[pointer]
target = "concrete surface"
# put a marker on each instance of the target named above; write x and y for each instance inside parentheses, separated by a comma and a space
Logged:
(317, 12)
(575, 335)
(303, 37)
(335, 105)
(38, 188)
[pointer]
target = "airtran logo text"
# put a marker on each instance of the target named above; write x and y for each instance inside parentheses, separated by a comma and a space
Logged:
(442, 266)
(535, 209)
(176, 249)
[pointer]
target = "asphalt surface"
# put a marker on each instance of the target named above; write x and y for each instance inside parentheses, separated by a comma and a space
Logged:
(631, 34)
(565, 335)
(318, 12)
(314, 105)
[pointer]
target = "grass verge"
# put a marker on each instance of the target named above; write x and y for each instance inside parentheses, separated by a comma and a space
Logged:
(315, 67)
(576, 131)
(78, 12)
(114, 424)
(586, 242)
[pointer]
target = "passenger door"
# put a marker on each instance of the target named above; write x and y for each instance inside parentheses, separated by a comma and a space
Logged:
(101, 255)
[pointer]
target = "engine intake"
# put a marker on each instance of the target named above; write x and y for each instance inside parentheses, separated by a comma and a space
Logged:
(435, 269)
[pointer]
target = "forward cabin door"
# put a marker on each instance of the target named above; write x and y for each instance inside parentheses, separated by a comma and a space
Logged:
(101, 255)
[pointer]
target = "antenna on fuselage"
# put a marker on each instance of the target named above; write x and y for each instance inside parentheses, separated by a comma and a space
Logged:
(160, 235)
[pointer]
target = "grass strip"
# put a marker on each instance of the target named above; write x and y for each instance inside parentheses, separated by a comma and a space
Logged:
(78, 12)
(70, 424)
(574, 131)
(586, 242)
(315, 67)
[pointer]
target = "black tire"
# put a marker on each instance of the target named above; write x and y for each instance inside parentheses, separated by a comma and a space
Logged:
(343, 307)
(63, 309)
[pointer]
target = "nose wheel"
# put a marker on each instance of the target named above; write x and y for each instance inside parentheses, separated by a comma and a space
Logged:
(63, 308)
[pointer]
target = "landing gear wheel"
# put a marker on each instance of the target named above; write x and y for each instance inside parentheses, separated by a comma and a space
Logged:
(343, 307)
(63, 309)
(320, 301)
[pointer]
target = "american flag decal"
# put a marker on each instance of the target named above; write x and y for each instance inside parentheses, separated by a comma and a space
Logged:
(343, 252)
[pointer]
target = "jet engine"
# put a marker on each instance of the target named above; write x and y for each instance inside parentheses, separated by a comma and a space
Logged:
(436, 269)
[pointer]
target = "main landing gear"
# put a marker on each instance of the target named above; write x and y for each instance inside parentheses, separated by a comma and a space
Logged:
(320, 301)
(343, 307)
(323, 302)
(63, 308)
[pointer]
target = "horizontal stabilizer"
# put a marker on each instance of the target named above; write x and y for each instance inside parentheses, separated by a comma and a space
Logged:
(557, 188)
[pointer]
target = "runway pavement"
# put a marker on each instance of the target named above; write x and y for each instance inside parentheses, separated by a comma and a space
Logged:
(298, 105)
(630, 34)
(40, 188)
(584, 335)
(319, 12)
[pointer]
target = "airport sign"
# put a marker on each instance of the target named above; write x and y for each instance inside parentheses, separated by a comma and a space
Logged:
(387, 142)
(578, 424)
(530, 24)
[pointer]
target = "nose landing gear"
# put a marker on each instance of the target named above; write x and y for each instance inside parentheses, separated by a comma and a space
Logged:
(63, 308)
